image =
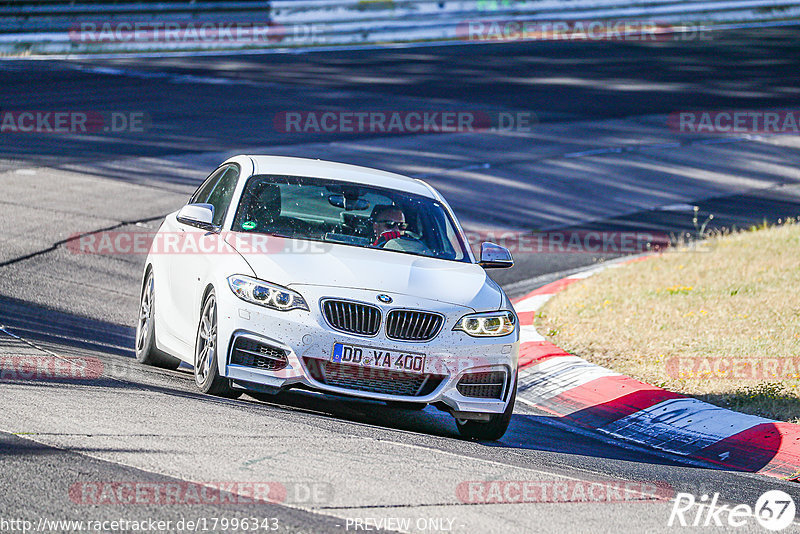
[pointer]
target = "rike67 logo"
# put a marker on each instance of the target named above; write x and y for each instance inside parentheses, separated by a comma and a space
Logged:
(774, 510)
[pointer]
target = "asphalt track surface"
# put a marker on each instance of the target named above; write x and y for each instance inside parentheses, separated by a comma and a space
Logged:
(600, 157)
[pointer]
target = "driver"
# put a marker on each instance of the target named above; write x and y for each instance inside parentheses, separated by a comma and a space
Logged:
(388, 222)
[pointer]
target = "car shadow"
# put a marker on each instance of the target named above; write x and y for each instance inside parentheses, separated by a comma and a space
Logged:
(531, 431)
(74, 336)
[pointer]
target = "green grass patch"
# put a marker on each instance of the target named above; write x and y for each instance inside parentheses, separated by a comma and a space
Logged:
(720, 322)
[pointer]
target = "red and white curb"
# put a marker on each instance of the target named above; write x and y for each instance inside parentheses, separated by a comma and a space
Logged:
(595, 398)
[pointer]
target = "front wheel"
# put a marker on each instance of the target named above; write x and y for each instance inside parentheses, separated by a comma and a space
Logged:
(493, 429)
(206, 367)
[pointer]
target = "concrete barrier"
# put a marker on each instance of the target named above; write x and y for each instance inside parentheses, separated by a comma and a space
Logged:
(64, 27)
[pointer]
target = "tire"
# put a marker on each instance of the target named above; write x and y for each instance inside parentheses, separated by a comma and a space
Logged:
(206, 368)
(146, 351)
(492, 430)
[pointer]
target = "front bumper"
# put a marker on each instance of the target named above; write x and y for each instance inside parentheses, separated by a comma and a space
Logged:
(307, 340)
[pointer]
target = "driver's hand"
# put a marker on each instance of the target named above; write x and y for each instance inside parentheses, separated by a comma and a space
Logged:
(386, 237)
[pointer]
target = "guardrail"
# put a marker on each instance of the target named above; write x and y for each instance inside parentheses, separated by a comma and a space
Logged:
(85, 26)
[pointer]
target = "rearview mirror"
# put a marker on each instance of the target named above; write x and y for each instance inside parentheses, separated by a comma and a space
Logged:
(348, 204)
(495, 257)
(198, 215)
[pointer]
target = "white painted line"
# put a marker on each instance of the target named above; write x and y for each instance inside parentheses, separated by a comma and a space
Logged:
(528, 334)
(532, 304)
(664, 145)
(593, 152)
(680, 206)
(682, 426)
(588, 272)
(557, 375)
(593, 434)
(723, 140)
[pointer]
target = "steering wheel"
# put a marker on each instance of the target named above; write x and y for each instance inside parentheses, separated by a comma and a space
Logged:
(407, 243)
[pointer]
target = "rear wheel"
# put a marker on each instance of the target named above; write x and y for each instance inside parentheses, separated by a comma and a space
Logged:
(146, 351)
(491, 430)
(206, 366)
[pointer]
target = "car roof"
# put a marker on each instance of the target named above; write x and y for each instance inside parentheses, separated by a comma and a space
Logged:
(315, 168)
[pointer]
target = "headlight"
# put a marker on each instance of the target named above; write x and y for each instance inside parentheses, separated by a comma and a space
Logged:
(266, 294)
(488, 324)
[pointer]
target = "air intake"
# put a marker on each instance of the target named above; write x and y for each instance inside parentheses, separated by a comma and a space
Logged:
(252, 353)
(487, 385)
(372, 380)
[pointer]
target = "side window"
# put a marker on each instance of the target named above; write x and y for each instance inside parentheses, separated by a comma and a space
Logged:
(222, 193)
(201, 195)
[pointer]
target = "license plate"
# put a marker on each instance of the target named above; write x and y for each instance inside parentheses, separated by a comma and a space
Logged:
(390, 360)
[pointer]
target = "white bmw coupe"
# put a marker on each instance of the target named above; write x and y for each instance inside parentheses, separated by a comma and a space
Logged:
(295, 273)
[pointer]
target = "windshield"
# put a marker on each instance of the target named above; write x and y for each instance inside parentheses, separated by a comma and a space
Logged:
(350, 214)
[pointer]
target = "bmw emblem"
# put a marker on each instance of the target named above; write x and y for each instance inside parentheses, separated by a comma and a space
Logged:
(386, 299)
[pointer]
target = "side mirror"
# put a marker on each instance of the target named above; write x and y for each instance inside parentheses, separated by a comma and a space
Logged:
(198, 215)
(495, 257)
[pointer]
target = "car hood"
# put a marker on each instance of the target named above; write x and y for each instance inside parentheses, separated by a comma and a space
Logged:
(343, 266)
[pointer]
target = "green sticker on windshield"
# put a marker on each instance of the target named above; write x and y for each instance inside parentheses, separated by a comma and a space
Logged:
(248, 225)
